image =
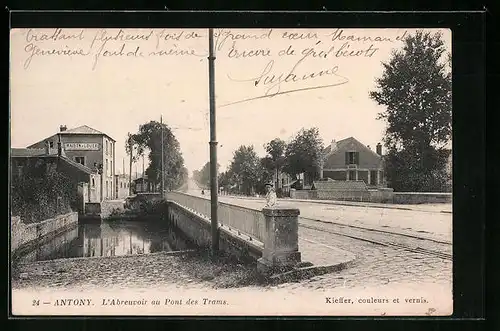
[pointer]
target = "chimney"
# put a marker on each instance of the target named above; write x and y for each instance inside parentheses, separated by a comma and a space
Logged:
(333, 145)
(379, 149)
(62, 128)
(368, 147)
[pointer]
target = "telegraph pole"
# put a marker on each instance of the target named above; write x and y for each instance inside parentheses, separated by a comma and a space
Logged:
(214, 189)
(130, 168)
(162, 170)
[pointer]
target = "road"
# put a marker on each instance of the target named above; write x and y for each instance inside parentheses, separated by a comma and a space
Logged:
(422, 223)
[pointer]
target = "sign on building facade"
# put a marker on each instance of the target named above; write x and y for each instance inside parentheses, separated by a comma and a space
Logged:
(81, 146)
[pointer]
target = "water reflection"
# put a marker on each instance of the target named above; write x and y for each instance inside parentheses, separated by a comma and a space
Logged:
(110, 239)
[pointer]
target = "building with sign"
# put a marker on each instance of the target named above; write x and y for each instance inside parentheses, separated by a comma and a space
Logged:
(89, 147)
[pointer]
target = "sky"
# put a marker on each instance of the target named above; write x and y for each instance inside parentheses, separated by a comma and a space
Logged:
(115, 80)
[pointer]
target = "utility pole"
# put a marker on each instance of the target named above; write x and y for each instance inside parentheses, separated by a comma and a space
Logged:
(214, 189)
(143, 166)
(130, 167)
(162, 169)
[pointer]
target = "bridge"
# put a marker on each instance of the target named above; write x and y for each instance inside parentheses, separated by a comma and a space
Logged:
(244, 223)
(268, 235)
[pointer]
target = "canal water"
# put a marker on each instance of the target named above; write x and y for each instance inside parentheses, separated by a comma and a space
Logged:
(114, 238)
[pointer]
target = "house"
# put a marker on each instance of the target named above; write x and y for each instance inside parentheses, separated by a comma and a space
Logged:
(350, 160)
(143, 185)
(283, 183)
(122, 187)
(86, 181)
(89, 147)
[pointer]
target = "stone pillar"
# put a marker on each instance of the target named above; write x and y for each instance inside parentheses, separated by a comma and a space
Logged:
(281, 245)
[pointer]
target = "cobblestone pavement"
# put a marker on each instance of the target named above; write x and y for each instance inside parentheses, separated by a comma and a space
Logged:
(378, 265)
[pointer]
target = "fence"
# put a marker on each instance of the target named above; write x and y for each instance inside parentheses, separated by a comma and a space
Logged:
(246, 220)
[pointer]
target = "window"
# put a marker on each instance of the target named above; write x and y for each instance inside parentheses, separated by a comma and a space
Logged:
(107, 147)
(107, 168)
(80, 159)
(51, 144)
(351, 158)
(93, 182)
(111, 168)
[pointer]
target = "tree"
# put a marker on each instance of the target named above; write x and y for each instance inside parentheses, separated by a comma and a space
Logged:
(245, 169)
(149, 138)
(275, 158)
(196, 175)
(203, 175)
(304, 153)
(415, 89)
(225, 180)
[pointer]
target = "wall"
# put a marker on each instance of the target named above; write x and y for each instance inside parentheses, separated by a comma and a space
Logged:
(107, 207)
(343, 195)
(382, 195)
(121, 186)
(83, 192)
(94, 188)
(93, 208)
(58, 246)
(421, 197)
(303, 194)
(25, 235)
(330, 195)
(198, 229)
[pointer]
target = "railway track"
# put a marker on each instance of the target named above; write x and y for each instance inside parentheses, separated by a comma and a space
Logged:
(386, 241)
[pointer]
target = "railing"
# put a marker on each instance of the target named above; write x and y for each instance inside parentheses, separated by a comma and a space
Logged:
(247, 220)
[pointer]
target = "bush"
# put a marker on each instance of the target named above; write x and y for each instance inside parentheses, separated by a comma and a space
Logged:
(41, 193)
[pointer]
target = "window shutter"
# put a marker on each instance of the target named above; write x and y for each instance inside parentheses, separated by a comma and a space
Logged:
(346, 158)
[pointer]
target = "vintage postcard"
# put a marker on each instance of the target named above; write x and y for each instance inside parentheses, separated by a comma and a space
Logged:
(231, 172)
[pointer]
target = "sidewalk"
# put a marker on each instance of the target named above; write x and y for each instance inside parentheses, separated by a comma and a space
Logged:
(321, 255)
(315, 256)
(436, 208)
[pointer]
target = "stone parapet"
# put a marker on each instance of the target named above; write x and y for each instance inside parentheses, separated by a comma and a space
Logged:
(281, 244)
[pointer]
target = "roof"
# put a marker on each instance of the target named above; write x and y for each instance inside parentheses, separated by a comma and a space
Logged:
(145, 177)
(40, 153)
(77, 165)
(340, 185)
(346, 141)
(27, 152)
(84, 129)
